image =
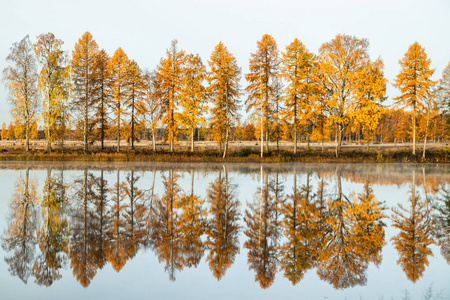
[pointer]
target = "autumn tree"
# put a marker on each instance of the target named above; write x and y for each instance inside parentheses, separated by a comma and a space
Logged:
(193, 95)
(341, 60)
(53, 82)
(134, 101)
(263, 66)
(118, 88)
(101, 98)
(4, 132)
(21, 78)
(170, 74)
(84, 73)
(224, 90)
(151, 96)
(414, 82)
(19, 239)
(370, 90)
(298, 68)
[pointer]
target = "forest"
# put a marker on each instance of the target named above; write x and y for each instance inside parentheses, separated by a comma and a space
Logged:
(336, 95)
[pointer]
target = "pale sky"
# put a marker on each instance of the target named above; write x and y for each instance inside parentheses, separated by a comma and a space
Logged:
(144, 29)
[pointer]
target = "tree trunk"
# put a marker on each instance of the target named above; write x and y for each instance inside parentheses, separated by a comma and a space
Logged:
(426, 133)
(295, 138)
(338, 140)
(262, 134)
(192, 138)
(414, 132)
(86, 108)
(153, 138)
(132, 122)
(226, 142)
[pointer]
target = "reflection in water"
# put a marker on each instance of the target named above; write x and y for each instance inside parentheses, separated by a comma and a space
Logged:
(261, 220)
(20, 239)
(414, 238)
(296, 222)
(442, 222)
(53, 234)
(223, 228)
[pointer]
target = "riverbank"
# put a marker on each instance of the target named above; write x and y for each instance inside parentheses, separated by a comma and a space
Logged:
(246, 154)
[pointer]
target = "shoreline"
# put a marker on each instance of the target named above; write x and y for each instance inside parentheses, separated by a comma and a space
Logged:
(243, 155)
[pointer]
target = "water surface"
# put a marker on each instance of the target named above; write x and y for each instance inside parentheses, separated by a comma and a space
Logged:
(211, 231)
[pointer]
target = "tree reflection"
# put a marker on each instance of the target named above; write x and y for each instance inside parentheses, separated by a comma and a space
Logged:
(118, 250)
(354, 237)
(135, 214)
(192, 221)
(442, 222)
(261, 220)
(20, 237)
(84, 247)
(223, 228)
(414, 237)
(302, 231)
(53, 235)
(166, 236)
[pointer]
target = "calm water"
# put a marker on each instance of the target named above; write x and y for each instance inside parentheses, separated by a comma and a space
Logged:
(210, 231)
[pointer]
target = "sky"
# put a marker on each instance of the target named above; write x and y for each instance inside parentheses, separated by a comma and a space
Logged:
(144, 29)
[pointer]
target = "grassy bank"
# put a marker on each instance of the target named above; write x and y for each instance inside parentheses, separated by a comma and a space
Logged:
(238, 155)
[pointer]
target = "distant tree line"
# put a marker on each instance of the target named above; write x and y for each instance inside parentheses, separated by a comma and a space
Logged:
(337, 94)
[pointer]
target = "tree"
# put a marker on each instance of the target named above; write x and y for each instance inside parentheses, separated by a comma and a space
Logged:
(4, 132)
(101, 98)
(10, 135)
(118, 88)
(53, 82)
(263, 68)
(193, 94)
(21, 77)
(414, 82)
(151, 97)
(84, 73)
(341, 60)
(370, 90)
(170, 74)
(297, 67)
(134, 99)
(224, 91)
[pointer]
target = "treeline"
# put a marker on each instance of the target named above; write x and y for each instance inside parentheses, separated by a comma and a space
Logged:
(100, 218)
(337, 94)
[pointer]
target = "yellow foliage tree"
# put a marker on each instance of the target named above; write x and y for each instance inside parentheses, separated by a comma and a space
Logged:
(224, 91)
(414, 82)
(21, 77)
(53, 82)
(263, 67)
(118, 88)
(298, 69)
(193, 95)
(370, 90)
(341, 61)
(84, 73)
(170, 75)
